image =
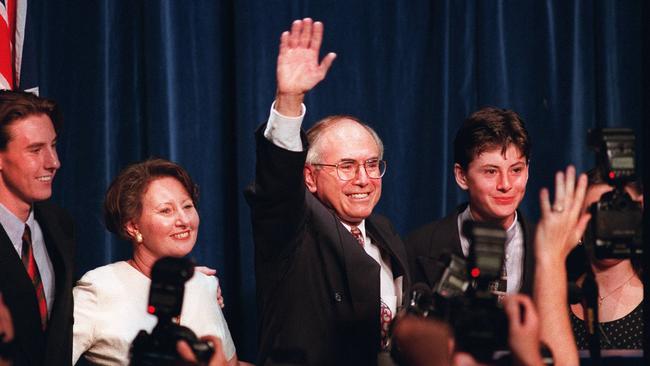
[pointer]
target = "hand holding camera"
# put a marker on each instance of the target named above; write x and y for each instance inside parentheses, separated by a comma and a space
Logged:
(218, 357)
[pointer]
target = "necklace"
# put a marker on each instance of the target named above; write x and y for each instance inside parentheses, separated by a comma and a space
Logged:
(601, 298)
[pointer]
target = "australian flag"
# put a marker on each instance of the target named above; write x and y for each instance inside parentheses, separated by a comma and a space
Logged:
(18, 52)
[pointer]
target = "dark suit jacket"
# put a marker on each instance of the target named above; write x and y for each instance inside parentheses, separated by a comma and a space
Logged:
(426, 244)
(33, 346)
(317, 289)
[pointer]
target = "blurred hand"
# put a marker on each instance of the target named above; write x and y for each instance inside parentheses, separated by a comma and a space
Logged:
(6, 329)
(218, 358)
(212, 272)
(220, 297)
(523, 330)
(422, 342)
(465, 359)
(206, 270)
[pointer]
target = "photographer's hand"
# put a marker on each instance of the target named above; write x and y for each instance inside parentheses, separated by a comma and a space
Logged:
(523, 330)
(217, 359)
(6, 330)
(422, 342)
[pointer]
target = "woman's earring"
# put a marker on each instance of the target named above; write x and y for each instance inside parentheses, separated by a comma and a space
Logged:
(138, 237)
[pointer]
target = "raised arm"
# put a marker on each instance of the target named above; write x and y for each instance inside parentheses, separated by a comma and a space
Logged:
(554, 239)
(298, 69)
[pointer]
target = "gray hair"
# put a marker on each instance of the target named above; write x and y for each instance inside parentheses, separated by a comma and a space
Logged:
(316, 132)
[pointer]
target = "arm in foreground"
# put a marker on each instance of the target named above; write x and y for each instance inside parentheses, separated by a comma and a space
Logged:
(554, 239)
(523, 330)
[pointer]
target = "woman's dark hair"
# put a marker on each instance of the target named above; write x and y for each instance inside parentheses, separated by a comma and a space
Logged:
(123, 201)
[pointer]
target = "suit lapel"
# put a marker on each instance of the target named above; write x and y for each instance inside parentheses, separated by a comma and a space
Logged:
(360, 268)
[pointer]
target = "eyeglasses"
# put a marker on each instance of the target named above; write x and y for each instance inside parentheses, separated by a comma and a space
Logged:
(348, 169)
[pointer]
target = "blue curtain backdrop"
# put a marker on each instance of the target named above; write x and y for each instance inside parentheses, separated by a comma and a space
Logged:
(190, 81)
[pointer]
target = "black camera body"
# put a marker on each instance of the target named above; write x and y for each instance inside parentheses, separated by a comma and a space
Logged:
(168, 277)
(464, 295)
(615, 228)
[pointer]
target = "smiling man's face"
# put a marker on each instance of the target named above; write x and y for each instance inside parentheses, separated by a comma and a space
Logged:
(353, 200)
(28, 163)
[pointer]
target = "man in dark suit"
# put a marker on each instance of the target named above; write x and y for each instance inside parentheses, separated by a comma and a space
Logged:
(330, 274)
(36, 237)
(491, 154)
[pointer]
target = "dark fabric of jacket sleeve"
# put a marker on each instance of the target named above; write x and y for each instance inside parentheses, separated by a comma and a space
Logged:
(276, 197)
(427, 245)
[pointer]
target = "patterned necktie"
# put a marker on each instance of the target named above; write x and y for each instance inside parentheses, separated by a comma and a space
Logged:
(354, 230)
(32, 270)
(386, 316)
(500, 287)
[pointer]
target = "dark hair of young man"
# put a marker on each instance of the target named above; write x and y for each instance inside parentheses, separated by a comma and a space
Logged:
(15, 105)
(490, 128)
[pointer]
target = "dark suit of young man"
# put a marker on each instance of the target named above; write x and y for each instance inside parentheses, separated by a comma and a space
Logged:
(34, 346)
(426, 245)
(36, 265)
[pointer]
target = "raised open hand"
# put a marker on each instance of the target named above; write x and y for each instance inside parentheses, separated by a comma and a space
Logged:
(298, 69)
(562, 221)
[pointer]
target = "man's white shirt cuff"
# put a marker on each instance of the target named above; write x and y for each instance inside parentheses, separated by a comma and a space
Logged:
(284, 131)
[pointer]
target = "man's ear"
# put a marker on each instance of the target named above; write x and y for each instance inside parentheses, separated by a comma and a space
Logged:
(310, 177)
(461, 177)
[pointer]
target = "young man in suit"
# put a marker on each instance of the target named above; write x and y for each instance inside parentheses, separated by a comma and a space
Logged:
(36, 237)
(491, 154)
(330, 274)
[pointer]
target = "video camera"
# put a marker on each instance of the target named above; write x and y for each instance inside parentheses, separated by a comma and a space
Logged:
(615, 227)
(464, 296)
(168, 277)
